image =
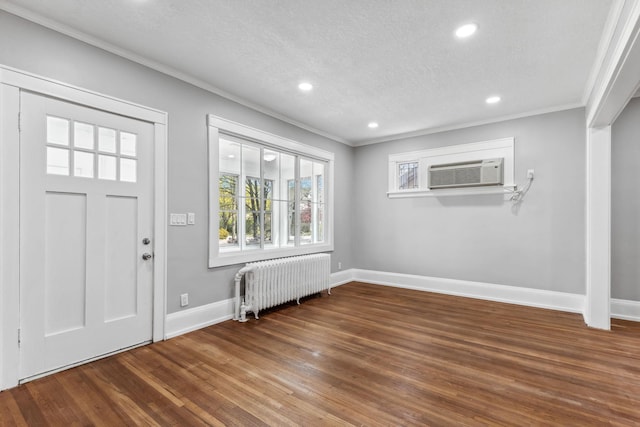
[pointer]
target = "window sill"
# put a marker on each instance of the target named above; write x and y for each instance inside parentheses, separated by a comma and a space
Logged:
(232, 258)
(445, 192)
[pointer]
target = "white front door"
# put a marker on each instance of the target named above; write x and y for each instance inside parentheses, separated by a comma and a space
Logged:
(86, 223)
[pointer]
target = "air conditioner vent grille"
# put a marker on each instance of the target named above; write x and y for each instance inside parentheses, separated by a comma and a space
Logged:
(468, 174)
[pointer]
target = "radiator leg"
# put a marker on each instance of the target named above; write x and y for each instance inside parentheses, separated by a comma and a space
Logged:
(329, 291)
(255, 313)
(298, 300)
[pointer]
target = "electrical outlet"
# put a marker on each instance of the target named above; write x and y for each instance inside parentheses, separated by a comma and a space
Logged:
(339, 266)
(184, 300)
(530, 174)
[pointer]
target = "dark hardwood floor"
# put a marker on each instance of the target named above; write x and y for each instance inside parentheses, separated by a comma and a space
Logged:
(366, 355)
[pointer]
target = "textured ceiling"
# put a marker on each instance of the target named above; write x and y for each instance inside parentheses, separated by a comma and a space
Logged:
(396, 62)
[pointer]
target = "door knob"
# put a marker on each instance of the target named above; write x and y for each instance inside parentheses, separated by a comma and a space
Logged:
(147, 256)
(146, 241)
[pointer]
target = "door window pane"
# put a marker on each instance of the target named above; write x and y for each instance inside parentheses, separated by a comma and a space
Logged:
(57, 131)
(107, 140)
(83, 135)
(128, 171)
(128, 143)
(57, 161)
(83, 164)
(107, 167)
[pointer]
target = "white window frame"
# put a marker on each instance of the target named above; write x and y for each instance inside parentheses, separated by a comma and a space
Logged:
(217, 126)
(496, 148)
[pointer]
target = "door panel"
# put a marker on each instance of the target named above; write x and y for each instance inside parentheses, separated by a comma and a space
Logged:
(121, 258)
(86, 205)
(65, 262)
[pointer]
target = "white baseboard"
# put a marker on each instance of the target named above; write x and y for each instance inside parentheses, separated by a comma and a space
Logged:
(341, 277)
(563, 301)
(200, 317)
(625, 309)
(192, 319)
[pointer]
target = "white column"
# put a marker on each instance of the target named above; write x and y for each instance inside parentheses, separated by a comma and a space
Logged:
(598, 233)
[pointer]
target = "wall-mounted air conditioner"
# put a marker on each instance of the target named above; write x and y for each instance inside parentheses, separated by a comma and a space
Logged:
(467, 174)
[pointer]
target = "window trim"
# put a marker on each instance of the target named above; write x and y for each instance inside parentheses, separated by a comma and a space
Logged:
(218, 125)
(503, 147)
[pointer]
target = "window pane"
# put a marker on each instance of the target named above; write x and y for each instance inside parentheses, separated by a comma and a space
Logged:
(229, 157)
(318, 178)
(107, 140)
(252, 204)
(228, 230)
(306, 228)
(252, 187)
(83, 135)
(128, 171)
(319, 219)
(271, 164)
(306, 168)
(250, 161)
(306, 189)
(408, 175)
(287, 177)
(268, 189)
(228, 187)
(107, 167)
(57, 161)
(128, 142)
(268, 238)
(83, 164)
(57, 132)
(291, 225)
(252, 229)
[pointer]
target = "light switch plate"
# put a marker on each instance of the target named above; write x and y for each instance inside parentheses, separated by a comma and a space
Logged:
(177, 219)
(191, 218)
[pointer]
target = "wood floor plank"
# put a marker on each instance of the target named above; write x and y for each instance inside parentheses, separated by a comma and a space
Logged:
(366, 355)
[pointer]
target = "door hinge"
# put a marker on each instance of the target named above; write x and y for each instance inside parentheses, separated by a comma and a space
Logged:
(19, 338)
(19, 122)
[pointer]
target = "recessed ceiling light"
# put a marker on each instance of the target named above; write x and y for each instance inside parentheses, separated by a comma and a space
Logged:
(373, 125)
(231, 156)
(305, 86)
(492, 100)
(466, 30)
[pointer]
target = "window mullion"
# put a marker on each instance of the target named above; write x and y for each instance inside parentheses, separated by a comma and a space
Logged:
(296, 202)
(314, 205)
(261, 188)
(242, 202)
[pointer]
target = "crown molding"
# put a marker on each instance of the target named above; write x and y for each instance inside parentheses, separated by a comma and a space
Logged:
(463, 125)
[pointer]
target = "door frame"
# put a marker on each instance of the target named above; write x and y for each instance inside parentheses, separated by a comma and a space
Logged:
(12, 81)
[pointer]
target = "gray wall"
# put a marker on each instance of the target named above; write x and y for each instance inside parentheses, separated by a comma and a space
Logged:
(35, 49)
(478, 238)
(625, 204)
(482, 238)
